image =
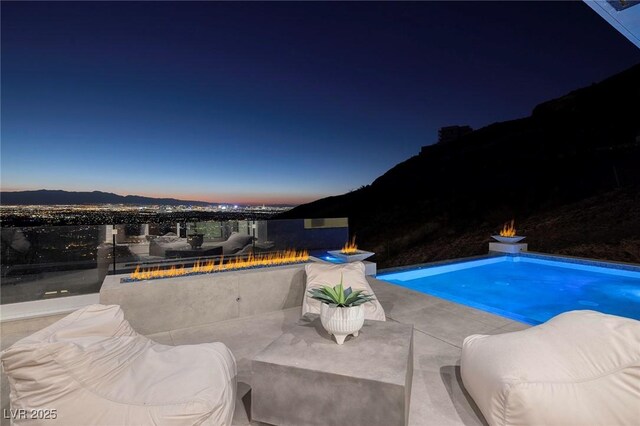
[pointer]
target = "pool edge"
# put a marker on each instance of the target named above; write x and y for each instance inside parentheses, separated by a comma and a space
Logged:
(634, 267)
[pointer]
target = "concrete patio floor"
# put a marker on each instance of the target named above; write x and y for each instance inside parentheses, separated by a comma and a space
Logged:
(437, 396)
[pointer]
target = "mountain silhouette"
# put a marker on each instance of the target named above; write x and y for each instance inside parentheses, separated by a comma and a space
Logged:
(53, 197)
(580, 149)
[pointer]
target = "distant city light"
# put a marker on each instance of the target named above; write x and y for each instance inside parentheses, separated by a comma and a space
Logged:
(97, 214)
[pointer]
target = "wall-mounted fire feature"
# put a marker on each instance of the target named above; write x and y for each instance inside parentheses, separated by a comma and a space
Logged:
(285, 257)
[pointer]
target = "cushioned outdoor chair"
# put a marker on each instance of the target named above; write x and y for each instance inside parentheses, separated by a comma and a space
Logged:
(92, 368)
(352, 275)
(237, 243)
(578, 368)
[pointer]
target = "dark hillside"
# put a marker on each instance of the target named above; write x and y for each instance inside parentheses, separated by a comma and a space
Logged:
(582, 146)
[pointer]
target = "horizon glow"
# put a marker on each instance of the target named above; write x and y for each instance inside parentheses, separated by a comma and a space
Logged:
(274, 103)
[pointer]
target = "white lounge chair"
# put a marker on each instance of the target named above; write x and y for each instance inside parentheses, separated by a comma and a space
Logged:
(92, 368)
(578, 368)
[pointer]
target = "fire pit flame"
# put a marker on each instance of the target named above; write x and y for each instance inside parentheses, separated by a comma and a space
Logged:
(508, 230)
(202, 267)
(350, 247)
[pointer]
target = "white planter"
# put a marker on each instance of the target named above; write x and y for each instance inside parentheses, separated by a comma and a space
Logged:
(340, 322)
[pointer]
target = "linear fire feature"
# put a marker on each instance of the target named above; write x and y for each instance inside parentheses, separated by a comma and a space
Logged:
(285, 257)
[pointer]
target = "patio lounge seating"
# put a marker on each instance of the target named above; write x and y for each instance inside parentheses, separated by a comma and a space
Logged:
(92, 368)
(352, 275)
(578, 368)
(237, 243)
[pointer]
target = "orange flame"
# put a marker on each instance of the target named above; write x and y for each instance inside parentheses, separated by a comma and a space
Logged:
(350, 247)
(508, 230)
(266, 259)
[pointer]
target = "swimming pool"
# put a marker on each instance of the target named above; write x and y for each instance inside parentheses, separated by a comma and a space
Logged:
(323, 255)
(527, 288)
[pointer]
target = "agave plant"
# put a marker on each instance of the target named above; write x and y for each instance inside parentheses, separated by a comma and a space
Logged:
(340, 297)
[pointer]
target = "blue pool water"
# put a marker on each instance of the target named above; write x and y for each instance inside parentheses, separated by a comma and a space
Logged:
(326, 256)
(526, 289)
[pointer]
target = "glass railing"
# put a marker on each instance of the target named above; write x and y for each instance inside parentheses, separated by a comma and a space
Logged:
(47, 262)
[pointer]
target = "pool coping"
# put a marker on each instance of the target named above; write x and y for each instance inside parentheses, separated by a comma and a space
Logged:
(634, 267)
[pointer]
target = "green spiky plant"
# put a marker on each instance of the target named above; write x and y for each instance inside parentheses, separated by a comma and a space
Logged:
(340, 297)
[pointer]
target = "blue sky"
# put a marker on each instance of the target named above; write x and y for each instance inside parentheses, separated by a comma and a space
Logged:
(272, 102)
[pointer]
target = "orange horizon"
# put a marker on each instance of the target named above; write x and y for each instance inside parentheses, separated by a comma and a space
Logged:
(253, 199)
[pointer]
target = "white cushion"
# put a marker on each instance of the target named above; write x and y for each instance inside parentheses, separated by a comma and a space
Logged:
(578, 368)
(93, 368)
(320, 274)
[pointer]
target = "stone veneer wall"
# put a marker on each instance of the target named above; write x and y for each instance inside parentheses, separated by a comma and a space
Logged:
(153, 306)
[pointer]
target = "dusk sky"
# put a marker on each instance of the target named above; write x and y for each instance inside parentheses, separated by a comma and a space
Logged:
(272, 102)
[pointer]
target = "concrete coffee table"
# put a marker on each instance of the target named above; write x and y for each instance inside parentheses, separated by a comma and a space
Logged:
(305, 378)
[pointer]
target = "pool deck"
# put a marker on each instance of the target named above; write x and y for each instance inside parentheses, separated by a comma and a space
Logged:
(437, 396)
